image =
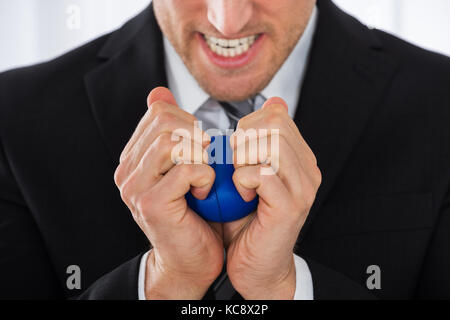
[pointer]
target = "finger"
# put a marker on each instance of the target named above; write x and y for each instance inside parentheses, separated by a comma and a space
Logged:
(276, 210)
(160, 158)
(275, 101)
(270, 188)
(281, 105)
(157, 94)
(299, 175)
(278, 154)
(301, 178)
(180, 179)
(294, 129)
(173, 128)
(161, 94)
(257, 146)
(155, 108)
(274, 120)
(255, 149)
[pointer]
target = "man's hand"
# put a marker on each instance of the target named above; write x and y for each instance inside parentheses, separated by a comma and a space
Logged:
(260, 261)
(187, 254)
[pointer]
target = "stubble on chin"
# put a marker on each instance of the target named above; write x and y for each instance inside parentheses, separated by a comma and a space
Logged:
(230, 85)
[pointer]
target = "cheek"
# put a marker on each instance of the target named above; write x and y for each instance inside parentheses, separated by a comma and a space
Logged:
(194, 11)
(284, 14)
(178, 15)
(288, 20)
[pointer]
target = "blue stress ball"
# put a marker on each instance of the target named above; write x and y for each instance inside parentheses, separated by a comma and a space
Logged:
(224, 203)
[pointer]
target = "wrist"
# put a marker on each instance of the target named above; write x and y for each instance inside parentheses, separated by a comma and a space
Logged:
(283, 288)
(161, 284)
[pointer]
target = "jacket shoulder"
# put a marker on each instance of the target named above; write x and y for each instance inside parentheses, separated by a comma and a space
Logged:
(412, 59)
(23, 85)
(77, 60)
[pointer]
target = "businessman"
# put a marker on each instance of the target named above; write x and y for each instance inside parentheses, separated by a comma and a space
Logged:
(92, 205)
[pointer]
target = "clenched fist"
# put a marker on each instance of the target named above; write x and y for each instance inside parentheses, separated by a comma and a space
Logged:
(187, 253)
(260, 261)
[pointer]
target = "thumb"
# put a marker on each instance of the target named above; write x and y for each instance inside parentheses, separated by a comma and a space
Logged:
(161, 94)
(275, 101)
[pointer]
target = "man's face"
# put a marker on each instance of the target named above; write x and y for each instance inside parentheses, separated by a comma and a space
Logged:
(233, 48)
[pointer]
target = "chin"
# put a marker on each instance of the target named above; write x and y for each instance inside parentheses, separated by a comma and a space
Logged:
(224, 92)
(232, 88)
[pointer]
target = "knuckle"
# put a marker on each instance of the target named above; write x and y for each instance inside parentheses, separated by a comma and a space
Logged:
(164, 145)
(303, 200)
(126, 158)
(163, 142)
(276, 108)
(143, 202)
(126, 191)
(164, 118)
(186, 169)
(118, 175)
(210, 174)
(309, 198)
(317, 176)
(190, 116)
(266, 179)
(142, 163)
(274, 119)
(123, 155)
(298, 197)
(157, 107)
(149, 208)
(244, 122)
(314, 159)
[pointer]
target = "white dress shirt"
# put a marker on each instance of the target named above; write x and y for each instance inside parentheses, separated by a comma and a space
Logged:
(190, 97)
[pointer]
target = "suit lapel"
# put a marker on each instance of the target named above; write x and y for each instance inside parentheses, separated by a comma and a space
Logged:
(131, 64)
(346, 79)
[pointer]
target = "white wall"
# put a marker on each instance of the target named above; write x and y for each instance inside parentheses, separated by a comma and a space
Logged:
(36, 30)
(423, 22)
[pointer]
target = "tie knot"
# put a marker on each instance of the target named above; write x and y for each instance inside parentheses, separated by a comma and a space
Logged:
(237, 110)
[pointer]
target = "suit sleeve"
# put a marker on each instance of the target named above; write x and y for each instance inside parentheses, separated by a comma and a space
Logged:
(25, 268)
(434, 281)
(119, 284)
(329, 284)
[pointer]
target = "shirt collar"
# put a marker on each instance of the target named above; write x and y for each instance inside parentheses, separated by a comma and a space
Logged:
(287, 81)
(285, 84)
(187, 92)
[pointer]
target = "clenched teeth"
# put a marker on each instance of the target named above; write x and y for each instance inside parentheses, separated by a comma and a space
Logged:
(230, 47)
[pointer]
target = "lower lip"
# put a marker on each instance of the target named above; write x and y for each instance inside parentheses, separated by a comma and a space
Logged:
(231, 62)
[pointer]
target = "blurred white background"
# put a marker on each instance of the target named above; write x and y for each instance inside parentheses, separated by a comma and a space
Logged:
(37, 30)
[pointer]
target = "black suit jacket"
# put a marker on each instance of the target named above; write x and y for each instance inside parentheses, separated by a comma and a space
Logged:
(374, 109)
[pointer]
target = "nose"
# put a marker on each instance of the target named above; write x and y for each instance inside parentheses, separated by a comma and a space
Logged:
(229, 17)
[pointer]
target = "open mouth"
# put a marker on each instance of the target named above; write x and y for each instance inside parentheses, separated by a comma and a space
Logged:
(230, 47)
(231, 53)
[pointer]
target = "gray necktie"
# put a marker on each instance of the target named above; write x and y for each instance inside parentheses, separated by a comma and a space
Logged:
(222, 287)
(237, 110)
